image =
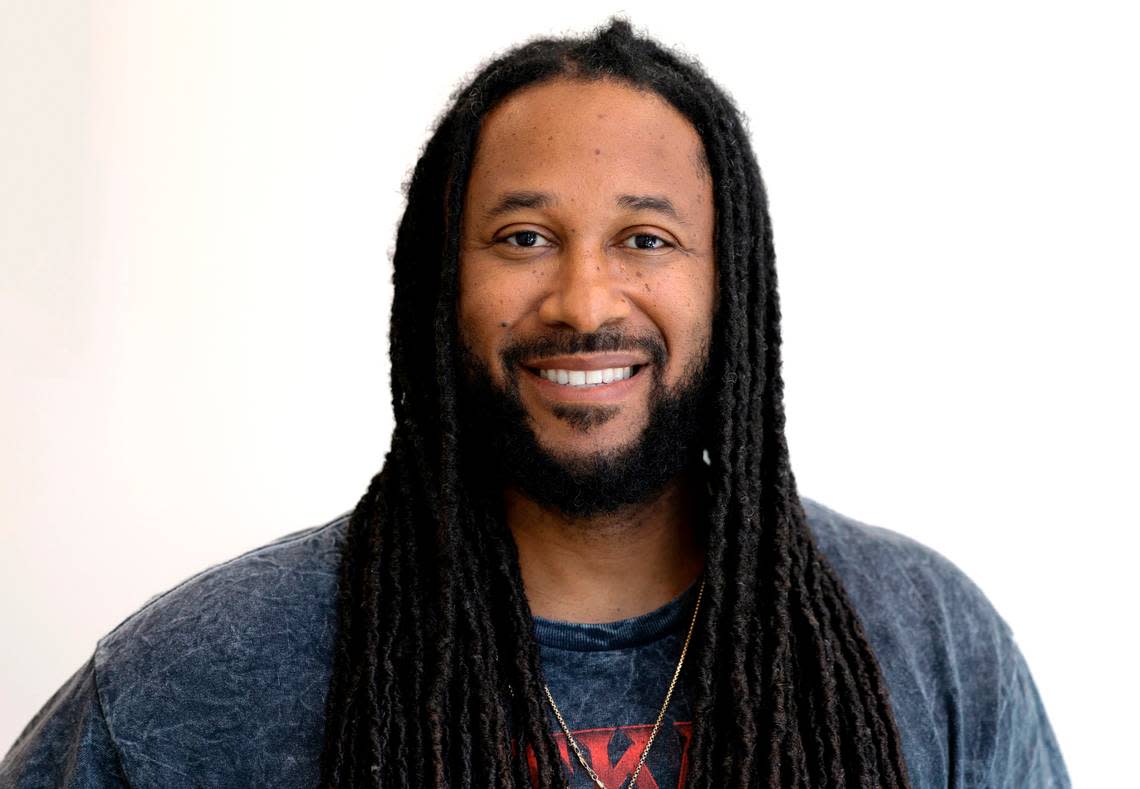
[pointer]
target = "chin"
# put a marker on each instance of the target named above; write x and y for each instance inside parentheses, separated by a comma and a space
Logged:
(587, 432)
(586, 454)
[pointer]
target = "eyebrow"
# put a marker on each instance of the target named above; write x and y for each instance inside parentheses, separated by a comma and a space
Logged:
(658, 203)
(512, 201)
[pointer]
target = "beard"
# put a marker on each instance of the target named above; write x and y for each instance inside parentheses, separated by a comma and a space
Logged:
(501, 448)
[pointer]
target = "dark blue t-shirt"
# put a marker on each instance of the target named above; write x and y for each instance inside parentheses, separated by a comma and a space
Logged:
(609, 682)
(221, 681)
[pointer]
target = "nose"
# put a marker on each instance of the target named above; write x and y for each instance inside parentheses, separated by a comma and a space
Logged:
(586, 294)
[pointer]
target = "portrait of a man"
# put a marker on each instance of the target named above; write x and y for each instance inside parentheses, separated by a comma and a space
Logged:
(585, 560)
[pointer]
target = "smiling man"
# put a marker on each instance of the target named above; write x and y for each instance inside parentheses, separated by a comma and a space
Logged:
(584, 561)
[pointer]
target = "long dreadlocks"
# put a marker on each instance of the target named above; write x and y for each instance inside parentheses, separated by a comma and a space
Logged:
(436, 670)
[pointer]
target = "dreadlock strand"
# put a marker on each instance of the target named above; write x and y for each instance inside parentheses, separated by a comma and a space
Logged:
(529, 704)
(825, 725)
(732, 205)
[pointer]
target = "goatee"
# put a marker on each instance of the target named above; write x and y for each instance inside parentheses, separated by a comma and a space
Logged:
(500, 446)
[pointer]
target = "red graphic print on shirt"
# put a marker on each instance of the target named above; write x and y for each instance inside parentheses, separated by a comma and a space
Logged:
(595, 745)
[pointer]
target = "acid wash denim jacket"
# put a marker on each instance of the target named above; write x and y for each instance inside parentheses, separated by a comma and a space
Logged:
(221, 681)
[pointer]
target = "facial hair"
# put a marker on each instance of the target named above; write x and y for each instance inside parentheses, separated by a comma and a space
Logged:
(501, 448)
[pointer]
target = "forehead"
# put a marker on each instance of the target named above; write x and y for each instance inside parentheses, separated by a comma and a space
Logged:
(593, 135)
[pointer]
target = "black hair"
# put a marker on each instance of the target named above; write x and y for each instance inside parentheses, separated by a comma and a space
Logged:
(437, 679)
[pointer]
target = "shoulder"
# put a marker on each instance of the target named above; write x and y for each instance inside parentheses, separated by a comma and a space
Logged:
(919, 610)
(243, 586)
(890, 575)
(196, 678)
(962, 697)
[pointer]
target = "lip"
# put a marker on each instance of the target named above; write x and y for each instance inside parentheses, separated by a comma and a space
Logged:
(587, 362)
(594, 394)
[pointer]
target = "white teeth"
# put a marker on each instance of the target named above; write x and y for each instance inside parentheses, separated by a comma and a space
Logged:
(587, 377)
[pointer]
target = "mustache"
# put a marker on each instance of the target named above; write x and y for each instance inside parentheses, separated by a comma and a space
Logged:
(605, 341)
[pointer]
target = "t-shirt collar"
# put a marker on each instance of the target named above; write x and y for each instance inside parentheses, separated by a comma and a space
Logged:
(622, 634)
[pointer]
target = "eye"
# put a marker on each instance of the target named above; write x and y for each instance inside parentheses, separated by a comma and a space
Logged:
(647, 241)
(525, 239)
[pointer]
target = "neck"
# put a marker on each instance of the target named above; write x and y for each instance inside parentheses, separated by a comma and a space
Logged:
(607, 567)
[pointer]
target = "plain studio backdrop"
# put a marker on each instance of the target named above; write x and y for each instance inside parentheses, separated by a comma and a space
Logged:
(198, 203)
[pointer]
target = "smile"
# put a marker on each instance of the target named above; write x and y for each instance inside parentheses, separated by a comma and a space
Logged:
(588, 377)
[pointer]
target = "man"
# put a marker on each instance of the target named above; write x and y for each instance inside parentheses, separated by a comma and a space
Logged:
(584, 561)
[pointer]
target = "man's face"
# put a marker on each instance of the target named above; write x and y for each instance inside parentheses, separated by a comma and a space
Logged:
(587, 256)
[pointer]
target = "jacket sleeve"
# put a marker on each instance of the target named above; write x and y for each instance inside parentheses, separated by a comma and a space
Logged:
(67, 743)
(1026, 752)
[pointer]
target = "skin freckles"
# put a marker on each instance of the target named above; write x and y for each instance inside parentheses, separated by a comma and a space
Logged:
(579, 250)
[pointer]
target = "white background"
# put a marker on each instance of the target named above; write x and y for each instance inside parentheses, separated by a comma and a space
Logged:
(197, 206)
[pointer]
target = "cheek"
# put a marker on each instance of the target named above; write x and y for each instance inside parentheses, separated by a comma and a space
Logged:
(688, 302)
(488, 308)
(689, 293)
(706, 289)
(477, 323)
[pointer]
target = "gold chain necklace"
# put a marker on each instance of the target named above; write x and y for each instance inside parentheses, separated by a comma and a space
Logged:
(660, 716)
